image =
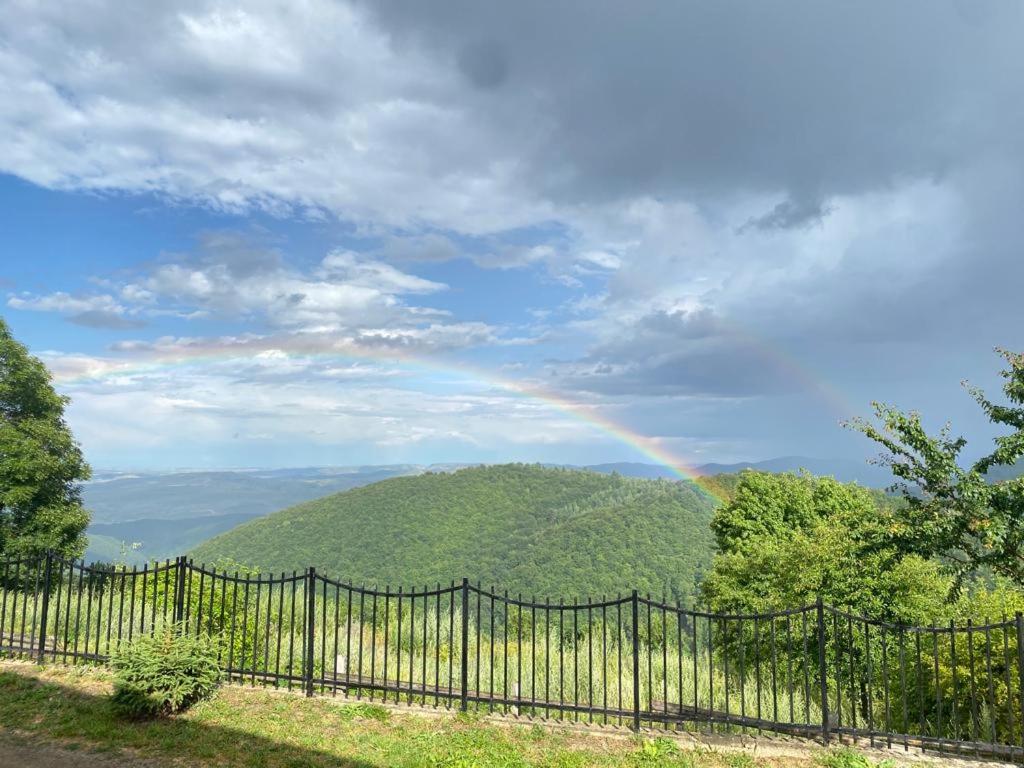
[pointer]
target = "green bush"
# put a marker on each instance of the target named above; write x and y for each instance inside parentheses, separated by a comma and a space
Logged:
(163, 673)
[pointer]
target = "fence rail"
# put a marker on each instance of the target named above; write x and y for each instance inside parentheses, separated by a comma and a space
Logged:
(628, 660)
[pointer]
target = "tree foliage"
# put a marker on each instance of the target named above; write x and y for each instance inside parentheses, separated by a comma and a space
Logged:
(784, 540)
(40, 463)
(952, 511)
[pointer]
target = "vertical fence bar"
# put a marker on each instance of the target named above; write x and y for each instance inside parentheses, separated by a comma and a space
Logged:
(310, 622)
(245, 625)
(373, 642)
(993, 707)
(437, 643)
(1019, 620)
(464, 660)
(5, 586)
(179, 590)
(1009, 684)
(757, 669)
(45, 608)
(57, 604)
(451, 640)
(636, 660)
(975, 721)
(491, 679)
(412, 645)
(504, 666)
(822, 669)
(476, 678)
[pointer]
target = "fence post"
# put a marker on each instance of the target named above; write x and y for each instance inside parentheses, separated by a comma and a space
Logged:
(823, 671)
(1020, 662)
(44, 613)
(179, 590)
(636, 660)
(310, 616)
(464, 691)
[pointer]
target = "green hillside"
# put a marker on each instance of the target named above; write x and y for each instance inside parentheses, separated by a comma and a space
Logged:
(530, 529)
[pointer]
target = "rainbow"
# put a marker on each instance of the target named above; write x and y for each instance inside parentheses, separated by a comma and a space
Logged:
(190, 353)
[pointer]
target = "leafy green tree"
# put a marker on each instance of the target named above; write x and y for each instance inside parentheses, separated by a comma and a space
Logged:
(785, 539)
(955, 512)
(41, 465)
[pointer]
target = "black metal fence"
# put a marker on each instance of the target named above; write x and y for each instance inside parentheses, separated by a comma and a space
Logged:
(813, 671)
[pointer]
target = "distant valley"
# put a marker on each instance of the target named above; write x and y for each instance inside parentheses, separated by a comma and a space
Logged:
(141, 516)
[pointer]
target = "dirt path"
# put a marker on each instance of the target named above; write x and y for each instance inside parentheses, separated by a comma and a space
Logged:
(18, 753)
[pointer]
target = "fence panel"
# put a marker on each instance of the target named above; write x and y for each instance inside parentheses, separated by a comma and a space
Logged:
(20, 606)
(954, 687)
(401, 646)
(257, 622)
(67, 611)
(628, 660)
(549, 660)
(731, 672)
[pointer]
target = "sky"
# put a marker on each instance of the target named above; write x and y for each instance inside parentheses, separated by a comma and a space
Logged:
(332, 233)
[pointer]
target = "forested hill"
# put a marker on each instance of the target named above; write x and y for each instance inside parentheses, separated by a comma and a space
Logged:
(539, 531)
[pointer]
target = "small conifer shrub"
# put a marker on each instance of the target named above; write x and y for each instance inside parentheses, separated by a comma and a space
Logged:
(163, 673)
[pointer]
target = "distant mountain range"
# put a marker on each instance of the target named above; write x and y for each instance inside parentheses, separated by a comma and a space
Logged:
(139, 516)
(846, 470)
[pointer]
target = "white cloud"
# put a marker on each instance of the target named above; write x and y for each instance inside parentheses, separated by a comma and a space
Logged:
(287, 108)
(65, 303)
(233, 278)
(367, 410)
(374, 275)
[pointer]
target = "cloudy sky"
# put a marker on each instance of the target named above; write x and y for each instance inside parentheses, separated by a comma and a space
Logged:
(340, 233)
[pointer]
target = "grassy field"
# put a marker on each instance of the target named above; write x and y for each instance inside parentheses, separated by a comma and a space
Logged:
(250, 727)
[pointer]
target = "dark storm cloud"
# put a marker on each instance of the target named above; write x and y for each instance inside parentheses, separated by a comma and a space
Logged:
(675, 353)
(789, 213)
(484, 64)
(809, 98)
(944, 290)
(727, 370)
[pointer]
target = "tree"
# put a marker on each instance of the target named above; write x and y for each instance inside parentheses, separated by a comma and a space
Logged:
(41, 466)
(960, 514)
(784, 540)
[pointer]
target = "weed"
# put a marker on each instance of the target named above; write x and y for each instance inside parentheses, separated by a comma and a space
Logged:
(844, 757)
(368, 712)
(740, 760)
